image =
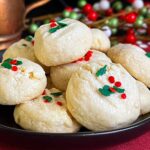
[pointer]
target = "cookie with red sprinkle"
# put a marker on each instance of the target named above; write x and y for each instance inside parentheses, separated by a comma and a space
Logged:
(98, 92)
(48, 113)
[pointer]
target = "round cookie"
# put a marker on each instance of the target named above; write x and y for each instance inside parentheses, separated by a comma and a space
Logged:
(20, 81)
(144, 98)
(134, 59)
(47, 113)
(60, 75)
(100, 40)
(62, 42)
(103, 96)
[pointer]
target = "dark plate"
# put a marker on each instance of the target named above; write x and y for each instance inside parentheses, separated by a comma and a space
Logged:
(12, 134)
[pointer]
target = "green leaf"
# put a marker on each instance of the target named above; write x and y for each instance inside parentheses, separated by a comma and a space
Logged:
(101, 71)
(6, 65)
(52, 30)
(148, 54)
(119, 90)
(56, 94)
(47, 98)
(8, 60)
(105, 90)
(19, 62)
(62, 24)
(29, 38)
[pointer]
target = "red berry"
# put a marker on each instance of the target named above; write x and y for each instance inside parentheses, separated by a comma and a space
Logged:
(52, 20)
(123, 96)
(14, 68)
(112, 89)
(59, 103)
(87, 8)
(13, 62)
(53, 24)
(111, 79)
(70, 9)
(130, 1)
(117, 84)
(130, 17)
(109, 12)
(130, 38)
(92, 16)
(130, 31)
(122, 14)
(88, 55)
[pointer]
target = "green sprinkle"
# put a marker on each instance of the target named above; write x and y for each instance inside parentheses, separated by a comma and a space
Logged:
(29, 38)
(105, 90)
(148, 54)
(119, 90)
(19, 63)
(48, 98)
(52, 30)
(56, 94)
(62, 24)
(8, 60)
(6, 65)
(101, 71)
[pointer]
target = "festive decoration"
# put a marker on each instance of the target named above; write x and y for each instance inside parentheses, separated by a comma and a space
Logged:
(148, 55)
(101, 71)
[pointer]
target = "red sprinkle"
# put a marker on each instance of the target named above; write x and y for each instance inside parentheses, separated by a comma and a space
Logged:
(112, 89)
(53, 24)
(32, 42)
(88, 55)
(13, 62)
(123, 96)
(44, 92)
(14, 68)
(118, 84)
(59, 103)
(111, 79)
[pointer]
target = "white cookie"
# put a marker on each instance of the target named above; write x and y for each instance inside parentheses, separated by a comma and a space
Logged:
(91, 102)
(24, 49)
(100, 41)
(65, 45)
(20, 80)
(134, 59)
(144, 98)
(60, 75)
(47, 113)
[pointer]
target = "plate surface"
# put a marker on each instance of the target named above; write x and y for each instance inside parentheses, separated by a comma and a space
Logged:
(8, 129)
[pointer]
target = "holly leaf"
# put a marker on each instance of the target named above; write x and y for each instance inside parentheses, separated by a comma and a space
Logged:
(119, 90)
(101, 71)
(56, 94)
(29, 38)
(52, 30)
(105, 90)
(47, 98)
(148, 54)
(19, 62)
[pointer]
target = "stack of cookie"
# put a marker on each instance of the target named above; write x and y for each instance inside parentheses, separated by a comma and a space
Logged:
(84, 87)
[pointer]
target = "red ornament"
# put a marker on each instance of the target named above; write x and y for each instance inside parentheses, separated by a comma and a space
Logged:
(131, 17)
(87, 8)
(109, 12)
(13, 62)
(123, 96)
(117, 84)
(69, 9)
(88, 55)
(130, 1)
(130, 38)
(14, 68)
(111, 79)
(112, 89)
(59, 103)
(92, 16)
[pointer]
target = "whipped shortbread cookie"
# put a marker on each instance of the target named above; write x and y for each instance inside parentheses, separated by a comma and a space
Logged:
(62, 42)
(134, 59)
(100, 40)
(24, 48)
(144, 93)
(103, 96)
(20, 80)
(60, 75)
(46, 113)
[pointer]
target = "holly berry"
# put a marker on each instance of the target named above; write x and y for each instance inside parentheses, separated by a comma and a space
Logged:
(53, 24)
(69, 9)
(123, 96)
(122, 14)
(92, 16)
(130, 38)
(118, 84)
(59, 103)
(13, 62)
(14, 68)
(87, 8)
(111, 79)
(130, 17)
(112, 89)
(130, 31)
(109, 12)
